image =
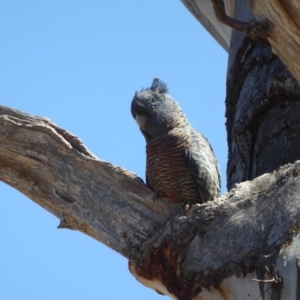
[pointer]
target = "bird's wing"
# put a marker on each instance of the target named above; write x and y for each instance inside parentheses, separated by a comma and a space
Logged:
(204, 167)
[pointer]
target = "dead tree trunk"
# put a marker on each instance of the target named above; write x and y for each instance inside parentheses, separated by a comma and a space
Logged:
(262, 108)
(243, 245)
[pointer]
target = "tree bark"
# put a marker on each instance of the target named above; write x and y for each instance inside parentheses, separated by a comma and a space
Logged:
(215, 250)
(53, 168)
(178, 254)
(262, 108)
(285, 38)
(283, 14)
(182, 255)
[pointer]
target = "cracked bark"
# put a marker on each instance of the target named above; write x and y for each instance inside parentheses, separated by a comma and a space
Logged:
(188, 256)
(262, 111)
(54, 169)
(262, 106)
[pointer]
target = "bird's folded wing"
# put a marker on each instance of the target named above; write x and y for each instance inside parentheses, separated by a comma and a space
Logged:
(204, 167)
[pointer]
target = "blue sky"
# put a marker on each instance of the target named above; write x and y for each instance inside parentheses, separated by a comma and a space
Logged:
(79, 64)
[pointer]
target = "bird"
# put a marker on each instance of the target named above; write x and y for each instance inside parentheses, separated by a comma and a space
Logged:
(180, 162)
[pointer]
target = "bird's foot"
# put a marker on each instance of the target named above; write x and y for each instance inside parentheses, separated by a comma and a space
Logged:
(186, 207)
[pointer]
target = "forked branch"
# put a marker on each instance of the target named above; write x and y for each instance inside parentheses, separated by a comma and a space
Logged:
(175, 252)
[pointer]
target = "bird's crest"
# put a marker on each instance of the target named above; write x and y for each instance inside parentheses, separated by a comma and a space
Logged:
(157, 85)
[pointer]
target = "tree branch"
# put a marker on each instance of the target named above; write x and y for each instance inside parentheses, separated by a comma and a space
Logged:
(182, 255)
(278, 21)
(54, 169)
(238, 233)
(255, 29)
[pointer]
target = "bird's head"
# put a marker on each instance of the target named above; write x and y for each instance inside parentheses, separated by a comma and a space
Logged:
(155, 111)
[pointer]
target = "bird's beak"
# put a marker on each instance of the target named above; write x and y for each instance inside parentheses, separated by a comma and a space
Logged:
(141, 120)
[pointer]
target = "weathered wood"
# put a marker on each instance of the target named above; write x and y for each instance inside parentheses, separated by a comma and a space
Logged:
(54, 169)
(283, 14)
(215, 250)
(255, 29)
(206, 250)
(262, 111)
(262, 108)
(285, 37)
(203, 11)
(220, 242)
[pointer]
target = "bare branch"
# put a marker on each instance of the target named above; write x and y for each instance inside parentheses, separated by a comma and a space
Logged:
(175, 253)
(54, 169)
(255, 29)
